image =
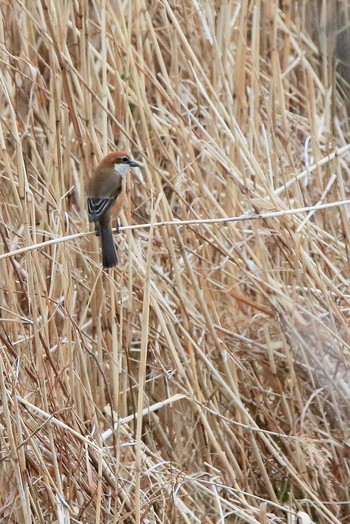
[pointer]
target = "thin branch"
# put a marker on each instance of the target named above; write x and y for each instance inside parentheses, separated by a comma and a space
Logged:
(241, 218)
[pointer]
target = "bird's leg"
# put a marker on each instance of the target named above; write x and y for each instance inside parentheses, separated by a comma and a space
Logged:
(117, 225)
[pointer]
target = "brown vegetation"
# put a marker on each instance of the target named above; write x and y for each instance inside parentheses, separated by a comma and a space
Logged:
(218, 351)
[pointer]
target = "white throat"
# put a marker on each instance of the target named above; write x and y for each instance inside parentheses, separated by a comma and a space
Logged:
(121, 169)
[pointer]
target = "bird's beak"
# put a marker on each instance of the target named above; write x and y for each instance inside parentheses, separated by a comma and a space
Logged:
(133, 163)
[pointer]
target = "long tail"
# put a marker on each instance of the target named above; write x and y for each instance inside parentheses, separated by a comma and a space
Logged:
(109, 254)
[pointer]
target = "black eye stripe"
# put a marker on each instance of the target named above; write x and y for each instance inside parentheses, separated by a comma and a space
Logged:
(125, 160)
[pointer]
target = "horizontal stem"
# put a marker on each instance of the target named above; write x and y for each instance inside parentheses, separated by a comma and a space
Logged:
(240, 218)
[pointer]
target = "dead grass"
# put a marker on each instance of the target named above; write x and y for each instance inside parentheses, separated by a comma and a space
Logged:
(218, 350)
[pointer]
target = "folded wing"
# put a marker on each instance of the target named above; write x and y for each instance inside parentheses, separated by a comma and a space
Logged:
(97, 207)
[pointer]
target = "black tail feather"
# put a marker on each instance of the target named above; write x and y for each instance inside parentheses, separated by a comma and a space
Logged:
(109, 254)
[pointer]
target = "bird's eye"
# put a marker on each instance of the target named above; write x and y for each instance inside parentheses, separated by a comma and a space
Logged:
(125, 160)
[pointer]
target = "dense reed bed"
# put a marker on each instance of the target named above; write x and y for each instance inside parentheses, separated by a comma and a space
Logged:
(206, 379)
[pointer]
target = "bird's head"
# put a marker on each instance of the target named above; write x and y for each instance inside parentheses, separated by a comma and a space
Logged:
(119, 161)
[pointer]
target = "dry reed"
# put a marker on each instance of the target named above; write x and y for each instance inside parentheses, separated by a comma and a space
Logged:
(206, 379)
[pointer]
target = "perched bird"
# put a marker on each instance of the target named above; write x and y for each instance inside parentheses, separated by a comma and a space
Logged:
(107, 187)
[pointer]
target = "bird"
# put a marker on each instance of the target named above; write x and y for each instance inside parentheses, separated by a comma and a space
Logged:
(107, 187)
